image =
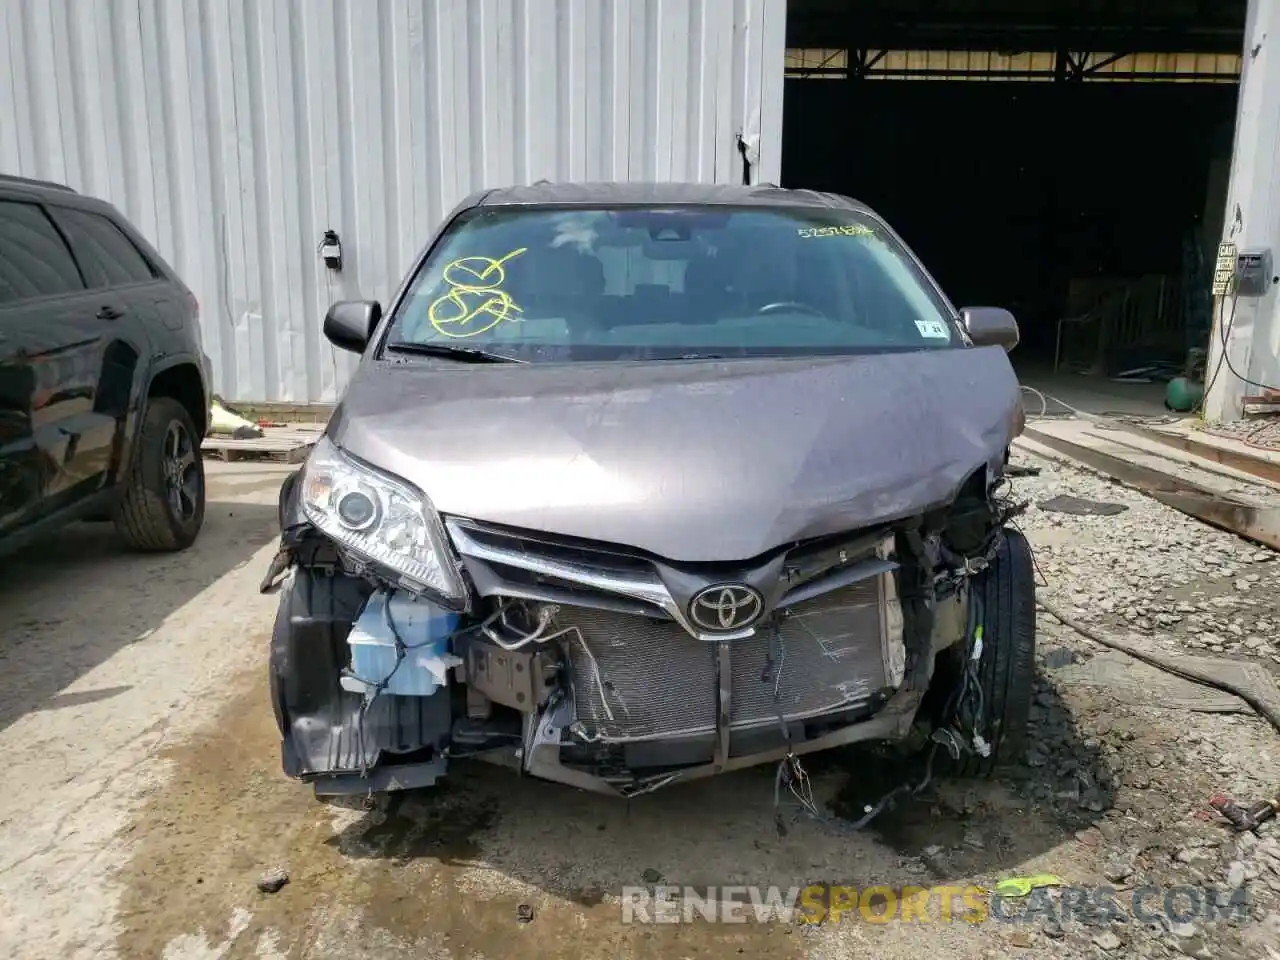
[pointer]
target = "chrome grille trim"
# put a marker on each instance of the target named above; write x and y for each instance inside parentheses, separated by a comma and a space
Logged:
(645, 587)
(863, 570)
(649, 589)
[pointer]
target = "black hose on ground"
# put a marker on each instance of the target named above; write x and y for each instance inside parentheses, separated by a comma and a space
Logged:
(1185, 670)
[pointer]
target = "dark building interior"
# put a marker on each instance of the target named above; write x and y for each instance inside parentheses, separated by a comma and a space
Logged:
(1067, 159)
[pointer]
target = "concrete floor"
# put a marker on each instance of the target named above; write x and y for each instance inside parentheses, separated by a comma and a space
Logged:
(107, 658)
(144, 798)
(144, 795)
(1096, 395)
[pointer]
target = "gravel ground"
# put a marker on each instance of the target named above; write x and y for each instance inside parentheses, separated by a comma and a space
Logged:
(147, 743)
(1153, 575)
(1263, 432)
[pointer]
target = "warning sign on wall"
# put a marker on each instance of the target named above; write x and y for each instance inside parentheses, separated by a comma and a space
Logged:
(1224, 270)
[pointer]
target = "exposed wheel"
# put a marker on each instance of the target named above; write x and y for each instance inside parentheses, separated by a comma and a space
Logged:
(162, 505)
(1006, 670)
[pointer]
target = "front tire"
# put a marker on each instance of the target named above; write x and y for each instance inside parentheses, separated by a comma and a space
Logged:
(162, 506)
(1006, 591)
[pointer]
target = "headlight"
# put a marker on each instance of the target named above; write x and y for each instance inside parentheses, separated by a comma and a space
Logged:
(380, 519)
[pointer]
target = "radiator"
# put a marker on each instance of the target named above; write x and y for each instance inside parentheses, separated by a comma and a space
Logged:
(638, 678)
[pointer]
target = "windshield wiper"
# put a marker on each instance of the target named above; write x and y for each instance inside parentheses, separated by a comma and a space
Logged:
(463, 354)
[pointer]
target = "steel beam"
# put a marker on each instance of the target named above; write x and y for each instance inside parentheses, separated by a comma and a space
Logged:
(1253, 521)
(1260, 467)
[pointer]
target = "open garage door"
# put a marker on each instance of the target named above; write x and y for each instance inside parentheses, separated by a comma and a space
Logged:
(1066, 159)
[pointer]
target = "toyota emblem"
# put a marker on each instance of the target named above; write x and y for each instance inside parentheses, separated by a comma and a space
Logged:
(733, 606)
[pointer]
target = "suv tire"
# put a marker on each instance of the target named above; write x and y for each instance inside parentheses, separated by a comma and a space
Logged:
(162, 505)
(1006, 672)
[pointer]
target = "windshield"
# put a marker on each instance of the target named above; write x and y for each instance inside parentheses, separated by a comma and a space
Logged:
(555, 284)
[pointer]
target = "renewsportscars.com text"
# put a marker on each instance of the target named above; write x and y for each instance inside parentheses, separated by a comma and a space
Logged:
(835, 903)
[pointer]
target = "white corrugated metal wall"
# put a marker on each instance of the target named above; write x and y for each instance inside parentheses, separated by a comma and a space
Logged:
(234, 132)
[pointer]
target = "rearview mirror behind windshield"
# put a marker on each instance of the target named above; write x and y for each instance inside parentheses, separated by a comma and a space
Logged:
(990, 327)
(350, 323)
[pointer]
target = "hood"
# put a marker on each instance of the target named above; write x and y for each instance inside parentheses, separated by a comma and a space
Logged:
(691, 461)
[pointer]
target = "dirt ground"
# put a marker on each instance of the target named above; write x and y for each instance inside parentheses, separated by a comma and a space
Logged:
(144, 797)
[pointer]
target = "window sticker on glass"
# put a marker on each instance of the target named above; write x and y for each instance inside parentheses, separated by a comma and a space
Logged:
(933, 329)
(847, 230)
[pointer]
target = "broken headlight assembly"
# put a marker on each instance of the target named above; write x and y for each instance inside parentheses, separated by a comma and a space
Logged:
(380, 520)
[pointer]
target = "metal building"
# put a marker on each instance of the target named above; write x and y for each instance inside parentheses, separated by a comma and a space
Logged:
(234, 133)
(1244, 347)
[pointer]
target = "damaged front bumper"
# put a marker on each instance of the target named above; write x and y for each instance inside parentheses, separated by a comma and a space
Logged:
(585, 665)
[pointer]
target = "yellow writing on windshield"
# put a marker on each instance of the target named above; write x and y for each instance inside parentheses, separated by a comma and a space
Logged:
(846, 230)
(474, 301)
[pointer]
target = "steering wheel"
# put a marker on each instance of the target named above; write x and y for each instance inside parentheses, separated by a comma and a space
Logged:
(791, 306)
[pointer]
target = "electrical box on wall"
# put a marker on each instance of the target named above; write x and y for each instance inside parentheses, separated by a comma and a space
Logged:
(1253, 272)
(331, 250)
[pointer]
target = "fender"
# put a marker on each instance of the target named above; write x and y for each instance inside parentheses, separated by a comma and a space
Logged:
(143, 378)
(300, 544)
(290, 509)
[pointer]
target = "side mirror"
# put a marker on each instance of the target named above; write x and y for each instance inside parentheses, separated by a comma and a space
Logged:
(350, 323)
(990, 327)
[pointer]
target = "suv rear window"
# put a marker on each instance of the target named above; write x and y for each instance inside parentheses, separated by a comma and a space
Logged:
(34, 259)
(108, 256)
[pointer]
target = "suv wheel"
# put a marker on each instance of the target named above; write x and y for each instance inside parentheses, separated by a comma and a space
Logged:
(1006, 671)
(162, 505)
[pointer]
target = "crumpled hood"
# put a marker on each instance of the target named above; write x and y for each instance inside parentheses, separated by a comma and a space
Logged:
(692, 461)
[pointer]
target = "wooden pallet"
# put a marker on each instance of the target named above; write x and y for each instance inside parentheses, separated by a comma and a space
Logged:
(279, 446)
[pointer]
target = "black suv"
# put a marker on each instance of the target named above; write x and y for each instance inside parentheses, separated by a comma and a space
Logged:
(103, 383)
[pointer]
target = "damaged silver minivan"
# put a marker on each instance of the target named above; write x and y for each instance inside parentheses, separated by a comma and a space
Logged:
(636, 484)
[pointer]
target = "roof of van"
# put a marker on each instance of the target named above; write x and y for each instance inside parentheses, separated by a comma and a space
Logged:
(663, 194)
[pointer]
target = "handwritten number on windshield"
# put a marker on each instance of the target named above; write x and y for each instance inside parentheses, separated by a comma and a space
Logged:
(475, 301)
(845, 230)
